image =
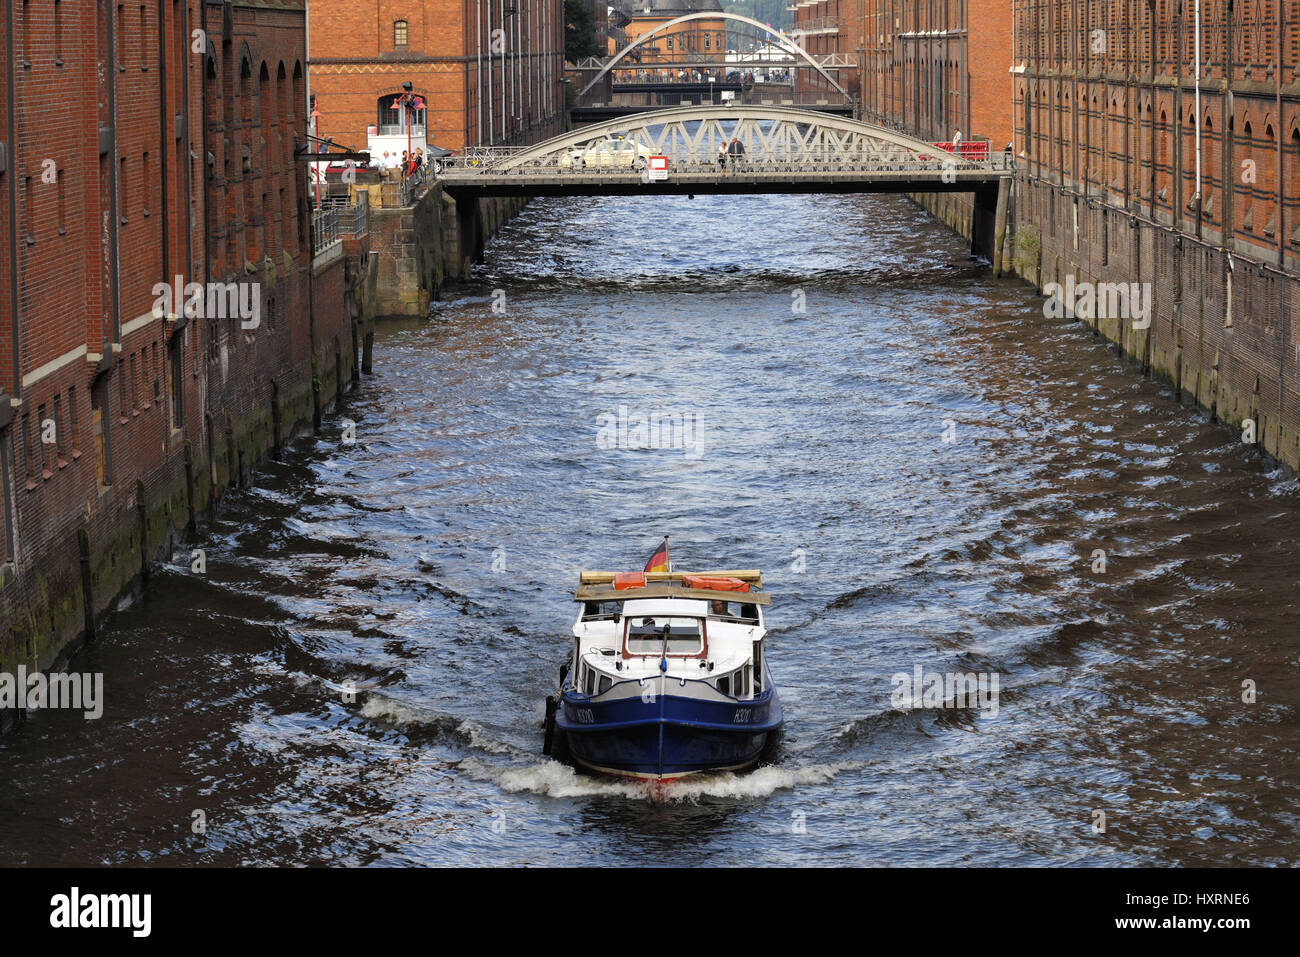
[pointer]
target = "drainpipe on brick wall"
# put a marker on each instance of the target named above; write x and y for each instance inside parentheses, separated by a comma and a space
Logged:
(11, 170)
(1281, 226)
(184, 133)
(478, 65)
(491, 93)
(1197, 75)
(115, 248)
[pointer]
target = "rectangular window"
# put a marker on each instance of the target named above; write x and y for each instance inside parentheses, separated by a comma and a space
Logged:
(6, 501)
(28, 456)
(29, 201)
(63, 215)
(135, 398)
(100, 430)
(74, 436)
(122, 192)
(177, 393)
(43, 435)
(645, 636)
(60, 440)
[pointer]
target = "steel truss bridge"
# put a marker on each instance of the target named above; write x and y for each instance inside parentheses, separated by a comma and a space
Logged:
(785, 151)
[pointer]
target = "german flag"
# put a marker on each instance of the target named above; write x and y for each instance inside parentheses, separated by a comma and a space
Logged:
(659, 560)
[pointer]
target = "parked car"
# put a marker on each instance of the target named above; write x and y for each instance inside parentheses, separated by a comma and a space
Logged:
(438, 158)
(612, 153)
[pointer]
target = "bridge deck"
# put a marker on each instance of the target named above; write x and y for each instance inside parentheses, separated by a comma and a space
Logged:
(628, 183)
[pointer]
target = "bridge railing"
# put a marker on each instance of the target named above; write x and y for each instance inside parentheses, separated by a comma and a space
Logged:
(478, 157)
(572, 162)
(976, 150)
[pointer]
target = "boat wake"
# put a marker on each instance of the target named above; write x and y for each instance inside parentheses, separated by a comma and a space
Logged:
(410, 718)
(553, 779)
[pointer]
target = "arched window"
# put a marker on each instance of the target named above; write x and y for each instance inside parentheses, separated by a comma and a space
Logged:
(393, 117)
(399, 33)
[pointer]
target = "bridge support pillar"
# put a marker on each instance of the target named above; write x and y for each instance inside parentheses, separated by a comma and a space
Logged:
(989, 223)
(469, 232)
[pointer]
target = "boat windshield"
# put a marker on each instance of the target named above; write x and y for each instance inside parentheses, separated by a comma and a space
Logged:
(645, 636)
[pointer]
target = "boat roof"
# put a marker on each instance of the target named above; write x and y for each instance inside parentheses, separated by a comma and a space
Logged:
(599, 586)
(649, 607)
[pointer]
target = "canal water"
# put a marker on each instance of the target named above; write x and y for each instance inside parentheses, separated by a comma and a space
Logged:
(925, 468)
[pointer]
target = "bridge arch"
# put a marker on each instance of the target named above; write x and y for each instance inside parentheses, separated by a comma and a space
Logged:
(783, 134)
(784, 42)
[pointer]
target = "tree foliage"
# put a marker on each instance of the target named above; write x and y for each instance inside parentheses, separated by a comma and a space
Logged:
(580, 31)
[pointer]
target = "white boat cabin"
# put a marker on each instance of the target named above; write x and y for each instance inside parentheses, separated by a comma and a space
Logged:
(713, 648)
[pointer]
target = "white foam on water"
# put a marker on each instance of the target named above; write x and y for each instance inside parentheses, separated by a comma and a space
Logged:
(479, 740)
(391, 711)
(553, 779)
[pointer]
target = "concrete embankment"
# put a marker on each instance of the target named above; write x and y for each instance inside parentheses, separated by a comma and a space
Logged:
(1223, 327)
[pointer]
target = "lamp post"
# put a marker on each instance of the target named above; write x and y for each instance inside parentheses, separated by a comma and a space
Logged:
(406, 115)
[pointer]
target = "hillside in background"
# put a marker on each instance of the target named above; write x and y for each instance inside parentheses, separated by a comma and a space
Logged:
(764, 11)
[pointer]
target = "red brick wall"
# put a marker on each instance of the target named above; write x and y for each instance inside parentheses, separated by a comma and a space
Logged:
(95, 232)
(938, 66)
(1079, 122)
(146, 414)
(473, 94)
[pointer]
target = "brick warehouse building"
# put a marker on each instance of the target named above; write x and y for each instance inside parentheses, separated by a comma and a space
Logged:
(120, 415)
(823, 28)
(489, 72)
(934, 67)
(705, 38)
(1134, 168)
(1106, 99)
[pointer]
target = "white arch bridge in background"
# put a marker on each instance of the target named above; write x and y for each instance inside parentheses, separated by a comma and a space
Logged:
(780, 39)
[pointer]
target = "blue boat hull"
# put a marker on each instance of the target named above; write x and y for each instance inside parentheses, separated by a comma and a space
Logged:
(666, 735)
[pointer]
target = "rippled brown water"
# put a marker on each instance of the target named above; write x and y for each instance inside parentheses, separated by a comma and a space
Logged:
(822, 449)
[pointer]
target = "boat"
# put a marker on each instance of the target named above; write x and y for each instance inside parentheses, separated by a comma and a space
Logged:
(667, 676)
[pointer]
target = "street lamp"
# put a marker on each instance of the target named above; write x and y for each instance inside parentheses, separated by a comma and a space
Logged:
(407, 91)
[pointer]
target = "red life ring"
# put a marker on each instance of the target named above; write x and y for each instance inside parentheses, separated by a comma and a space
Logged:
(715, 584)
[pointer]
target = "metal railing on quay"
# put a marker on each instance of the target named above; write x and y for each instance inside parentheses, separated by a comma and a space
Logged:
(352, 215)
(325, 228)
